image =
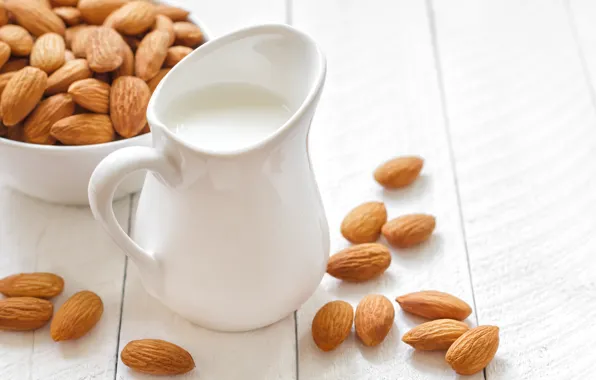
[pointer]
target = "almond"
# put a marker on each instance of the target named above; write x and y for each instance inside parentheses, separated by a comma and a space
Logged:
(132, 18)
(18, 38)
(48, 52)
(360, 262)
(332, 324)
(363, 224)
(22, 93)
(128, 105)
(78, 315)
(175, 55)
(65, 3)
(91, 94)
(68, 56)
(24, 313)
(38, 124)
(83, 129)
(166, 25)
(128, 61)
(173, 13)
(4, 78)
(37, 20)
(69, 73)
(4, 53)
(151, 54)
(187, 34)
(435, 335)
(38, 285)
(104, 49)
(3, 14)
(95, 12)
(472, 351)
(156, 357)
(14, 65)
(153, 82)
(80, 40)
(432, 304)
(70, 15)
(374, 319)
(399, 172)
(71, 32)
(409, 230)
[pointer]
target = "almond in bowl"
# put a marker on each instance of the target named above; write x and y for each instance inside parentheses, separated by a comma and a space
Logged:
(75, 82)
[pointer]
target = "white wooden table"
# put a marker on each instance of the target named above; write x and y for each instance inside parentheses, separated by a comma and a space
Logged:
(498, 97)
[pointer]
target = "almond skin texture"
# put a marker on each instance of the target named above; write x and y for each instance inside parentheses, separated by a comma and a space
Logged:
(156, 357)
(95, 12)
(374, 318)
(4, 78)
(175, 55)
(151, 54)
(409, 230)
(132, 18)
(166, 25)
(128, 105)
(37, 20)
(104, 50)
(173, 13)
(48, 52)
(77, 316)
(68, 56)
(69, 73)
(83, 129)
(432, 304)
(332, 324)
(91, 94)
(18, 38)
(472, 351)
(153, 82)
(128, 61)
(22, 93)
(38, 124)
(399, 172)
(38, 285)
(187, 34)
(24, 313)
(4, 53)
(359, 263)
(363, 224)
(70, 15)
(77, 39)
(435, 335)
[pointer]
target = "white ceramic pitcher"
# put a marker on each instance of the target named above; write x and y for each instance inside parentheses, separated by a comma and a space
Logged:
(237, 240)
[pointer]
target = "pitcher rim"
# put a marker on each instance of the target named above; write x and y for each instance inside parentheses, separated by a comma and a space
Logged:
(315, 89)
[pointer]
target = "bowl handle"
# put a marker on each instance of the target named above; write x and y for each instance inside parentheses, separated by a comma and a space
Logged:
(103, 184)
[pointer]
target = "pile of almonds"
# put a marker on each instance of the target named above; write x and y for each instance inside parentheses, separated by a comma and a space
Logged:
(81, 72)
(27, 307)
(468, 350)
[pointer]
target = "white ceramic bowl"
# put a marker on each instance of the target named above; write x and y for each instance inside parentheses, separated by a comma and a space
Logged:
(60, 174)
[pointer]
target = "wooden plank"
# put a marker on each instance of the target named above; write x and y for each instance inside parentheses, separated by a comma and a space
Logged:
(524, 136)
(381, 100)
(267, 353)
(36, 236)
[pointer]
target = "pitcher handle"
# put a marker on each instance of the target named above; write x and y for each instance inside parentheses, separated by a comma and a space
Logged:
(103, 184)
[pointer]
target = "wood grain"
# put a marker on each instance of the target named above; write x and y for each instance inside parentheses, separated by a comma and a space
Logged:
(381, 100)
(523, 127)
(36, 236)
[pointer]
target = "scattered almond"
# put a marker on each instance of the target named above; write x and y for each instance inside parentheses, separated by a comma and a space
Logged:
(156, 357)
(153, 82)
(22, 93)
(363, 224)
(37, 20)
(17, 37)
(71, 33)
(78, 315)
(38, 285)
(175, 55)
(128, 61)
(95, 12)
(69, 73)
(132, 18)
(4, 78)
(399, 172)
(409, 230)
(187, 34)
(70, 15)
(38, 124)
(24, 313)
(173, 13)
(435, 335)
(166, 25)
(374, 319)
(128, 105)
(4, 53)
(83, 129)
(432, 304)
(359, 263)
(332, 324)
(91, 94)
(151, 54)
(104, 49)
(48, 52)
(472, 351)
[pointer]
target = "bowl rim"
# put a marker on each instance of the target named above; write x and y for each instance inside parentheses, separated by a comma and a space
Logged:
(61, 149)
